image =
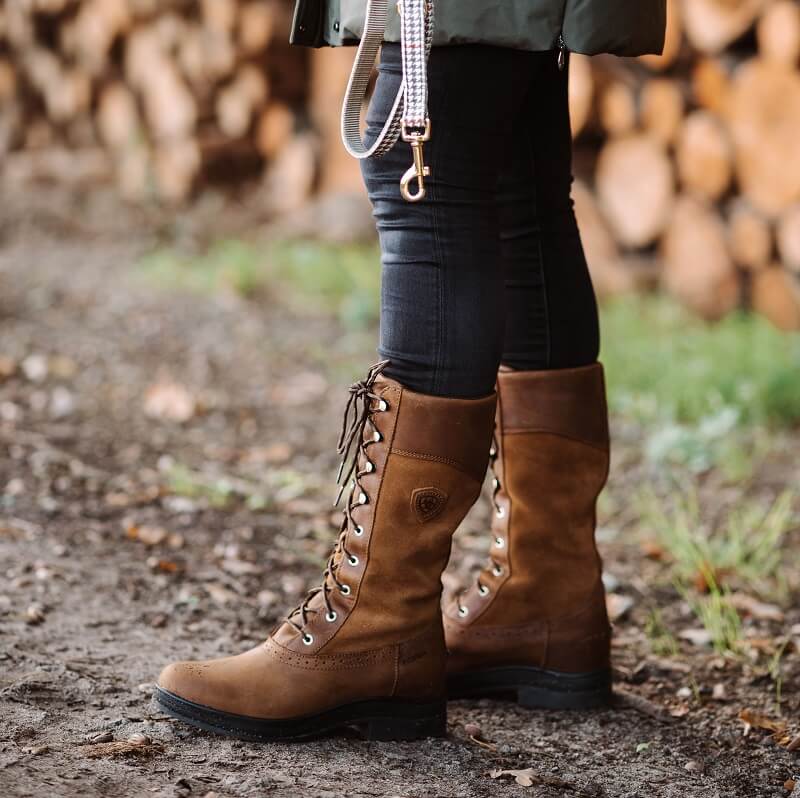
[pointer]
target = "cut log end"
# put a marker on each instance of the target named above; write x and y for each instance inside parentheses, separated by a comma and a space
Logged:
(636, 188)
(776, 296)
(697, 268)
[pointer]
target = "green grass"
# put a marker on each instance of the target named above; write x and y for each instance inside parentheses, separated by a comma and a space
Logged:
(689, 381)
(662, 641)
(344, 281)
(719, 618)
(743, 547)
(742, 550)
(227, 265)
(310, 278)
(664, 363)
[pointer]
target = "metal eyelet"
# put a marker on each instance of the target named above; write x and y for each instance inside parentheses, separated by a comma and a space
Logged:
(362, 498)
(353, 560)
(500, 543)
(344, 590)
(483, 590)
(369, 467)
(383, 406)
(497, 571)
(493, 452)
(331, 616)
(358, 531)
(500, 512)
(463, 612)
(377, 437)
(307, 639)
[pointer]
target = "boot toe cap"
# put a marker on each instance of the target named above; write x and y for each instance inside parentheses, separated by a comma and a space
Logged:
(185, 679)
(237, 685)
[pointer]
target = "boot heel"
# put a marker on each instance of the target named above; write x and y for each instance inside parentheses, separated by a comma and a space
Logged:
(543, 698)
(431, 722)
(535, 688)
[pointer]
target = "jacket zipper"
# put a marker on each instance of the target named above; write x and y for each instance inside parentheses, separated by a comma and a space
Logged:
(562, 52)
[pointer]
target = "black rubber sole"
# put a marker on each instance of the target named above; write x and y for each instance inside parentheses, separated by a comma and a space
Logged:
(385, 719)
(535, 688)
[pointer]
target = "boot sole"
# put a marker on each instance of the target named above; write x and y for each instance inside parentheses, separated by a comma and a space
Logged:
(384, 719)
(535, 688)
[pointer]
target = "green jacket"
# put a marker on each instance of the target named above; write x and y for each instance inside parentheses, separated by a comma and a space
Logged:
(622, 27)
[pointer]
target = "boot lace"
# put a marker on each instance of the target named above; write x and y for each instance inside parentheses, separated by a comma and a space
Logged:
(496, 567)
(354, 442)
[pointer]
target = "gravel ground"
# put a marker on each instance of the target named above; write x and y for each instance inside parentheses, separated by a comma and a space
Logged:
(165, 494)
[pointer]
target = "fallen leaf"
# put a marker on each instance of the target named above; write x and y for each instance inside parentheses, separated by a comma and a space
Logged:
(169, 401)
(794, 744)
(759, 610)
(525, 778)
(175, 541)
(7, 367)
(167, 566)
(756, 720)
(274, 453)
(653, 550)
(221, 595)
(34, 615)
(707, 576)
(149, 535)
(698, 637)
(618, 606)
(240, 567)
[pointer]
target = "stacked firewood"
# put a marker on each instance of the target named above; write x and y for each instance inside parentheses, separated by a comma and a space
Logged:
(689, 162)
(160, 93)
(695, 156)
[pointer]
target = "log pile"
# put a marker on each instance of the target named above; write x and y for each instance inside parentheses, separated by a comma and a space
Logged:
(694, 156)
(166, 91)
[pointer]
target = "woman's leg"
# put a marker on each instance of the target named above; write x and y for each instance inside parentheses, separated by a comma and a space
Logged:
(535, 620)
(551, 312)
(366, 647)
(442, 297)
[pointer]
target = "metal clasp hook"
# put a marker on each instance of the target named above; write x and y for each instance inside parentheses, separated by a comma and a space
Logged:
(417, 171)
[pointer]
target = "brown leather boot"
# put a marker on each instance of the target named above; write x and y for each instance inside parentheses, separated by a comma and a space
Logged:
(535, 623)
(366, 649)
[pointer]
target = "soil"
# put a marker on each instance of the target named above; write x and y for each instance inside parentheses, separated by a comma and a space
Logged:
(166, 468)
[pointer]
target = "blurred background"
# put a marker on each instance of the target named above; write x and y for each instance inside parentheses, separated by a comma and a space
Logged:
(188, 282)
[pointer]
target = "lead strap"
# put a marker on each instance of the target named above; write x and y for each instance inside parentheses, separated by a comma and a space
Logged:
(409, 115)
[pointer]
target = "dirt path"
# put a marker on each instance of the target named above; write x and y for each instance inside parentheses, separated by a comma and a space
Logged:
(128, 540)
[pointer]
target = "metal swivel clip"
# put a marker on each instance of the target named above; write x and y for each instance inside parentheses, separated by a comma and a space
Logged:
(417, 171)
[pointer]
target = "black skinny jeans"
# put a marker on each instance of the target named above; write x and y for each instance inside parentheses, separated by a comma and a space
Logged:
(489, 267)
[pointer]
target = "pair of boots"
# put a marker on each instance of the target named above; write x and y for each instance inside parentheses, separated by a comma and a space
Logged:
(372, 648)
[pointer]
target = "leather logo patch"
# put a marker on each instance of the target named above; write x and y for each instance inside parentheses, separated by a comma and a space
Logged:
(427, 503)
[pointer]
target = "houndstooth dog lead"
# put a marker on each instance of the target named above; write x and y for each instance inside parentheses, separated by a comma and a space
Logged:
(409, 115)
